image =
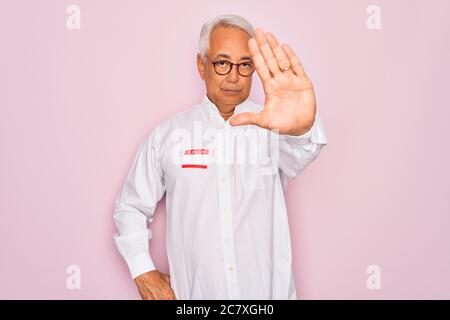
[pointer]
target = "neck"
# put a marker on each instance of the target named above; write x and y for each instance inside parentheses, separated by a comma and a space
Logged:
(225, 110)
(226, 114)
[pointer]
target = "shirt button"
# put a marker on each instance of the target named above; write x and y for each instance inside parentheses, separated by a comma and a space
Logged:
(230, 269)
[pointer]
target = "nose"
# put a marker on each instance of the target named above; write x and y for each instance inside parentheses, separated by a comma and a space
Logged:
(233, 75)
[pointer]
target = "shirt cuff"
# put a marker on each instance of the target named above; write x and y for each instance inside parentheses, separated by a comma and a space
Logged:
(140, 264)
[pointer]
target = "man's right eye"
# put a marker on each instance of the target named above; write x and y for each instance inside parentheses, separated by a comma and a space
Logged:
(221, 63)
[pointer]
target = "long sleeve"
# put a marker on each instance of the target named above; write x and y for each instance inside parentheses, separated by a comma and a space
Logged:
(135, 205)
(297, 152)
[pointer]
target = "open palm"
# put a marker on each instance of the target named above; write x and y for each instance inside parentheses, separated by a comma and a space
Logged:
(290, 102)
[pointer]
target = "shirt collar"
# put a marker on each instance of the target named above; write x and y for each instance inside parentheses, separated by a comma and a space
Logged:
(214, 114)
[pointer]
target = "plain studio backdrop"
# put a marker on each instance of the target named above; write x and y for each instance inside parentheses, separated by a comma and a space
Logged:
(77, 100)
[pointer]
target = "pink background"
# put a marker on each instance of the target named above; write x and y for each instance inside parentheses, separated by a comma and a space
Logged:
(76, 104)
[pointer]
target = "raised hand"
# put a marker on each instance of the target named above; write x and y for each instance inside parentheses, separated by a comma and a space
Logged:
(290, 102)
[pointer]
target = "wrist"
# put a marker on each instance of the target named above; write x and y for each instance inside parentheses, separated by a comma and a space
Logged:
(301, 131)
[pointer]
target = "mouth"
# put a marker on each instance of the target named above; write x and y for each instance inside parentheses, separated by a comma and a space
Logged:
(231, 90)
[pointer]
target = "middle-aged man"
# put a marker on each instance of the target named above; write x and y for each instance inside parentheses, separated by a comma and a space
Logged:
(227, 230)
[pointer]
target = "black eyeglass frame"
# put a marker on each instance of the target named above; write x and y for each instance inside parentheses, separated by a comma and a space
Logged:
(231, 66)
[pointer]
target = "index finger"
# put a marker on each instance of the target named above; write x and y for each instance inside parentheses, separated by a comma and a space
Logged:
(258, 60)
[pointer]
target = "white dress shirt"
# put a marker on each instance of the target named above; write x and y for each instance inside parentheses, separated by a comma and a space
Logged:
(227, 233)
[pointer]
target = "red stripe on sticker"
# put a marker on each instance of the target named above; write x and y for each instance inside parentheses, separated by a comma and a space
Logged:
(198, 166)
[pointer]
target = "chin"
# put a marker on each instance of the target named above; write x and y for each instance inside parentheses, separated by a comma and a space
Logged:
(234, 98)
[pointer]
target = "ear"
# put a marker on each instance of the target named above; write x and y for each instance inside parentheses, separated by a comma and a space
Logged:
(201, 66)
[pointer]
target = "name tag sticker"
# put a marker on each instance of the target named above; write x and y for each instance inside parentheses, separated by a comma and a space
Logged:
(195, 158)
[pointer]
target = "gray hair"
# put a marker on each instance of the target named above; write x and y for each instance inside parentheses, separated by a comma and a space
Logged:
(227, 20)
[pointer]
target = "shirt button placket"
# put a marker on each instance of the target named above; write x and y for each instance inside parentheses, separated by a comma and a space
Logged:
(227, 233)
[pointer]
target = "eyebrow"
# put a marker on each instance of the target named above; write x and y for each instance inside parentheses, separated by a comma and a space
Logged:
(224, 55)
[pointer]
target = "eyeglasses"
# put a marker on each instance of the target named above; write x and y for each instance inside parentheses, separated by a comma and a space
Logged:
(224, 67)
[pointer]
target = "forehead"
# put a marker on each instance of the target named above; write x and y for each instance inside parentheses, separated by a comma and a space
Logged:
(231, 41)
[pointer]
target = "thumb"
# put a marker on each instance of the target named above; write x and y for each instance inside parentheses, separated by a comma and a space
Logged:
(247, 118)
